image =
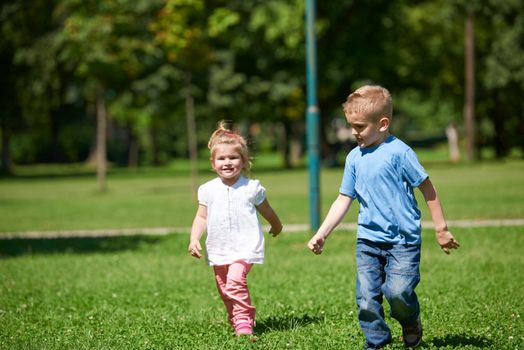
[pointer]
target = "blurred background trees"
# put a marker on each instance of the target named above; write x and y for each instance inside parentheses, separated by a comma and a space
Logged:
(138, 72)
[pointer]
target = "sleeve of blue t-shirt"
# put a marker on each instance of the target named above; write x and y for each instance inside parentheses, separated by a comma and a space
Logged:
(413, 171)
(347, 187)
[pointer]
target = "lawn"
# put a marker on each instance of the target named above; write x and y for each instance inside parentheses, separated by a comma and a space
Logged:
(145, 292)
(163, 197)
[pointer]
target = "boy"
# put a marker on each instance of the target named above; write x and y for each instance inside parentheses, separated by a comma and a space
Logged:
(381, 174)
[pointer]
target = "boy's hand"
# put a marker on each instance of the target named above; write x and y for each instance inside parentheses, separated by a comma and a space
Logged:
(195, 249)
(446, 241)
(316, 244)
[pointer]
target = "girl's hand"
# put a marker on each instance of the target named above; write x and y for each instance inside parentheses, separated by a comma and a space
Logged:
(195, 249)
(275, 231)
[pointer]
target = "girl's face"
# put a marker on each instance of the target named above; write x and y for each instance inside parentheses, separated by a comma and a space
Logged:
(227, 163)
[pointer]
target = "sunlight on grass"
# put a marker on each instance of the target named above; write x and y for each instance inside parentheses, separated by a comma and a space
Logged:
(146, 292)
(163, 197)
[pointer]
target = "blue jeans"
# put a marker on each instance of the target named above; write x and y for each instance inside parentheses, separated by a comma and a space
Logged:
(390, 270)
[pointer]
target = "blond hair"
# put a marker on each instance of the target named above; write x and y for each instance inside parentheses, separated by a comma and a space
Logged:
(224, 135)
(372, 100)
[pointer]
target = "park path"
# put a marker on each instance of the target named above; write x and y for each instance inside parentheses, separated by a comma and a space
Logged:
(160, 231)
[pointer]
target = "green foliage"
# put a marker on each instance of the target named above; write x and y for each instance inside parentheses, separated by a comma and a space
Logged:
(414, 115)
(506, 62)
(181, 30)
(221, 20)
(281, 22)
(246, 60)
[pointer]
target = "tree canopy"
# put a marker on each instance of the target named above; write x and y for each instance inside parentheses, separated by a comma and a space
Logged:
(246, 61)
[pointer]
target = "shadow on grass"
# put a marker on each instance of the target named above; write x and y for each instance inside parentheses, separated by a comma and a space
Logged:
(76, 245)
(286, 322)
(456, 340)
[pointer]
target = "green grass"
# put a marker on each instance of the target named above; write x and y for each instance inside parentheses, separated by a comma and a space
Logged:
(147, 293)
(163, 197)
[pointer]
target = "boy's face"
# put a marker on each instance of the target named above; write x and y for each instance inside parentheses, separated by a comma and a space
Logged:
(367, 131)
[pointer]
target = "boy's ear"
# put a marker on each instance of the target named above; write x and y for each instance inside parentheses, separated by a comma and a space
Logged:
(383, 124)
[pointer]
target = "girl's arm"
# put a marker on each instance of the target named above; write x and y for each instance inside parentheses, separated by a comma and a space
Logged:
(335, 215)
(197, 230)
(444, 238)
(269, 214)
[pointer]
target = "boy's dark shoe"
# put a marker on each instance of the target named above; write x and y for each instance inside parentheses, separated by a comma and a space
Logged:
(412, 335)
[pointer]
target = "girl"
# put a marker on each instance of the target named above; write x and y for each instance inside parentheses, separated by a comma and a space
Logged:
(227, 209)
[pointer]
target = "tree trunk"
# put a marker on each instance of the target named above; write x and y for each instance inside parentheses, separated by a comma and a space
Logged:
(54, 151)
(292, 142)
(191, 134)
(521, 129)
(469, 100)
(101, 140)
(453, 143)
(285, 143)
(7, 165)
(153, 133)
(499, 118)
(133, 149)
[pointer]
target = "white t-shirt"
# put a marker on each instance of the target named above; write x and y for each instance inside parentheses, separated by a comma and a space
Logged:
(233, 229)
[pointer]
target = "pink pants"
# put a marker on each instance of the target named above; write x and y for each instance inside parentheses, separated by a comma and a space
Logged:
(232, 286)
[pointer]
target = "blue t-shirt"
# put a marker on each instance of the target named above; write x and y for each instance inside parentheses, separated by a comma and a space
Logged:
(382, 179)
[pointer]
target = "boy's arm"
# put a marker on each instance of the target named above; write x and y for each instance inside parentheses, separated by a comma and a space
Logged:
(444, 237)
(269, 214)
(197, 230)
(335, 215)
